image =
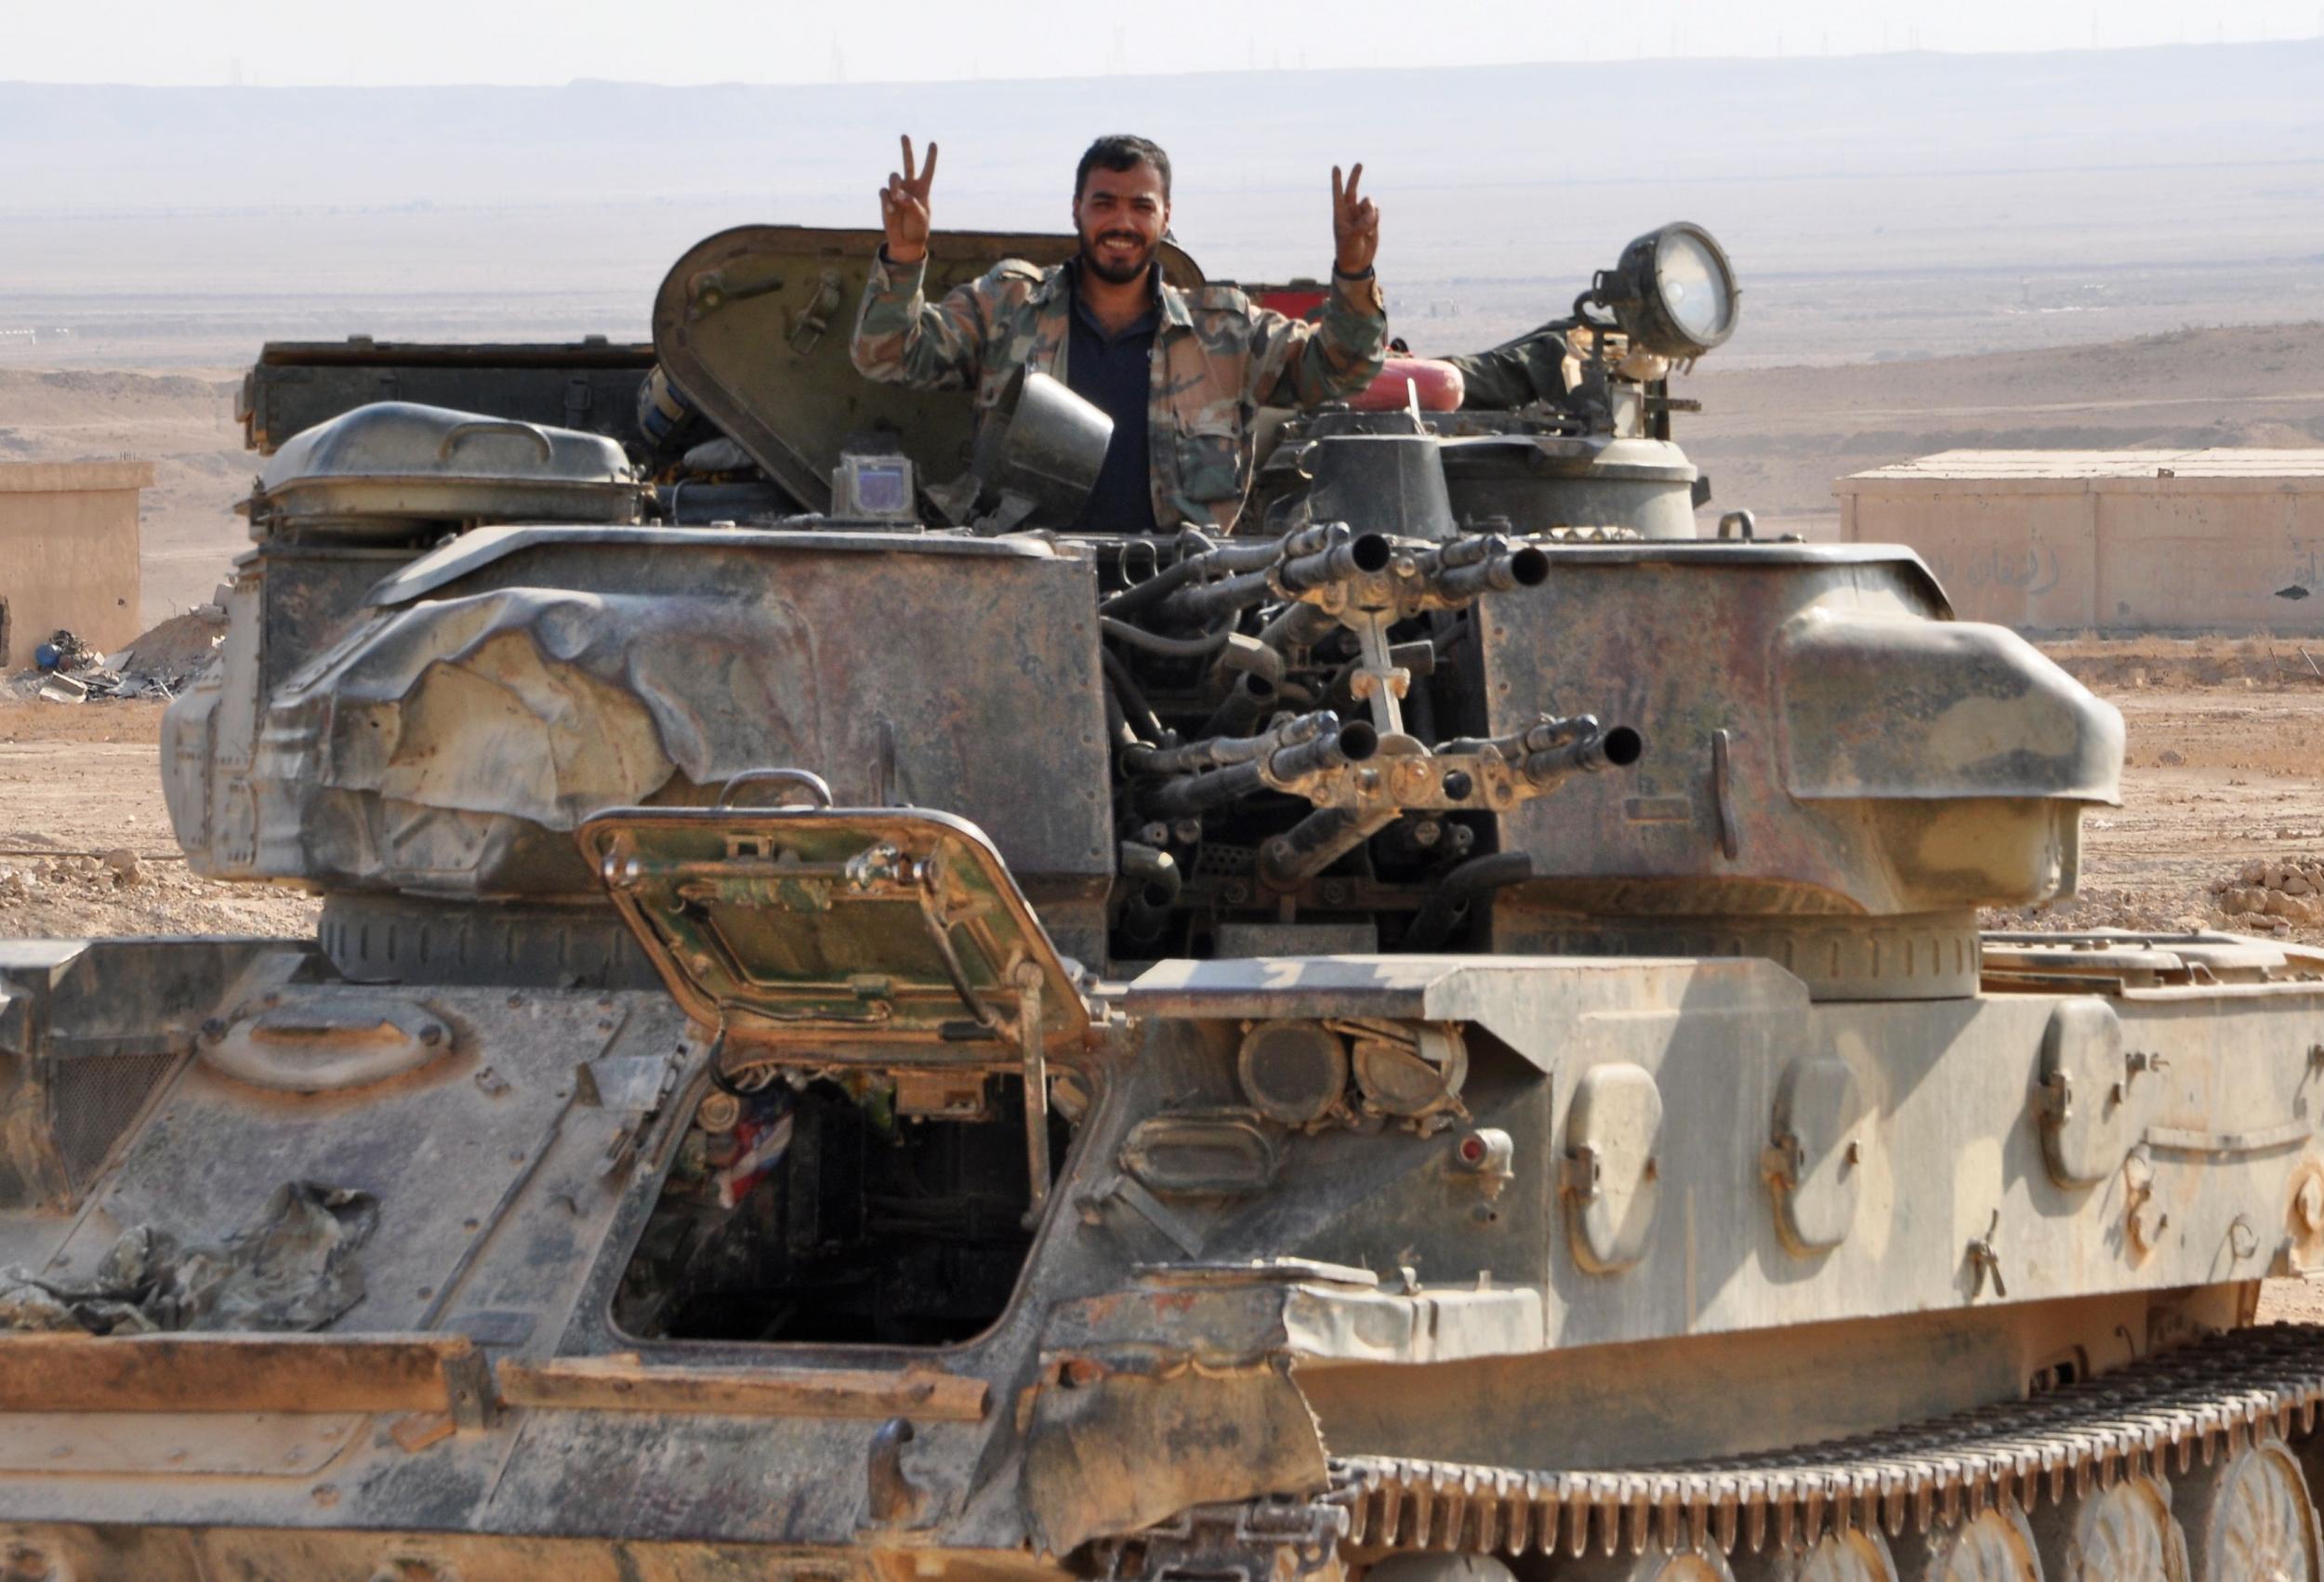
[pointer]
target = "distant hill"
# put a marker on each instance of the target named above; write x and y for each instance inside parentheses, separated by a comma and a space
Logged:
(1899, 204)
(1479, 127)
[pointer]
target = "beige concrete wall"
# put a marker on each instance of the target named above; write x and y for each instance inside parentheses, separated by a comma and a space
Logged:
(2145, 554)
(69, 547)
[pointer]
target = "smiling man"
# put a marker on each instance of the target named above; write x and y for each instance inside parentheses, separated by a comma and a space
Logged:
(1182, 374)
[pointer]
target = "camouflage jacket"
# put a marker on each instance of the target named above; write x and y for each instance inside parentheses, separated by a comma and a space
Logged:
(1217, 359)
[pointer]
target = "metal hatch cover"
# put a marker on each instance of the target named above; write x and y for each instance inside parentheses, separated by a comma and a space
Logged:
(825, 926)
(753, 325)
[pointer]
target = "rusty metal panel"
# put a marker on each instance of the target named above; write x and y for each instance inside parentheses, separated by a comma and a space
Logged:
(1735, 664)
(506, 689)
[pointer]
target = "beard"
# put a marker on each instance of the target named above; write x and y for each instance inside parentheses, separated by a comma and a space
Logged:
(1140, 260)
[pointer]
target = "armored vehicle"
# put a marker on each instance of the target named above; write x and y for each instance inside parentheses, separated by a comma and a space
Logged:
(857, 1034)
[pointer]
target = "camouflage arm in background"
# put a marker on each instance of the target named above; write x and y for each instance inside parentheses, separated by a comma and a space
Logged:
(903, 339)
(1299, 364)
(1516, 373)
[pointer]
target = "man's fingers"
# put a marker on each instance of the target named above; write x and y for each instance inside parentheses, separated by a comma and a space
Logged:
(1354, 177)
(928, 171)
(1337, 195)
(906, 140)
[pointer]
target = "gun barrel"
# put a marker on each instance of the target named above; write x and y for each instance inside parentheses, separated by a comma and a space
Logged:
(1217, 751)
(1618, 746)
(1189, 793)
(1360, 556)
(1315, 843)
(1497, 571)
(1351, 743)
(1205, 602)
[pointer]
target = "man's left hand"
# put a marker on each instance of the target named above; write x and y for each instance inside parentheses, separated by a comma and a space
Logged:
(1355, 224)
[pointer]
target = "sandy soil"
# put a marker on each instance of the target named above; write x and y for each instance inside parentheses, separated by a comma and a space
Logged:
(81, 784)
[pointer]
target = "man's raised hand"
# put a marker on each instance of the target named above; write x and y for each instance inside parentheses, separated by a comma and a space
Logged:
(903, 206)
(1355, 222)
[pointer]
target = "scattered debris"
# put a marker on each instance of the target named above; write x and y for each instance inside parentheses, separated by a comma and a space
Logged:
(65, 652)
(293, 1268)
(159, 664)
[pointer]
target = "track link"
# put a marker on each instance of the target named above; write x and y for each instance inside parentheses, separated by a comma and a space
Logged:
(2152, 1416)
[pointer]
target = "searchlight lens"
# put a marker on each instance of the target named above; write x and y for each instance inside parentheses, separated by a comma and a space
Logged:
(1674, 293)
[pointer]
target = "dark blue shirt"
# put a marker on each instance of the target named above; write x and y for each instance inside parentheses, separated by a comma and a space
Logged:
(1115, 374)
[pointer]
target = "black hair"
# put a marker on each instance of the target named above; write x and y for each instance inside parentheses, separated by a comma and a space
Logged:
(1119, 151)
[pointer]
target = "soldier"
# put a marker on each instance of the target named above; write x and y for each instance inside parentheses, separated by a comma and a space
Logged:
(1182, 374)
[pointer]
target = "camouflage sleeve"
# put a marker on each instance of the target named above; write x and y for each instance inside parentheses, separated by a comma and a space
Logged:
(1295, 363)
(903, 339)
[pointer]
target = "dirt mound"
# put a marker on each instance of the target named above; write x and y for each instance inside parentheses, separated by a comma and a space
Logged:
(2278, 895)
(177, 649)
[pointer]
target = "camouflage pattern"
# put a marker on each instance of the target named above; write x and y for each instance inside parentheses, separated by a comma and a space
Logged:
(1514, 374)
(1218, 357)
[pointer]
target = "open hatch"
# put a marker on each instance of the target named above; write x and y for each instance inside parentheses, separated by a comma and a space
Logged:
(877, 1145)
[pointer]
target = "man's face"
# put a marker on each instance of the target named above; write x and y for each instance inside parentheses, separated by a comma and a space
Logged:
(1121, 215)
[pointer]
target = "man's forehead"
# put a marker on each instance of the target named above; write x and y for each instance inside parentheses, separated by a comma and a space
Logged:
(1141, 177)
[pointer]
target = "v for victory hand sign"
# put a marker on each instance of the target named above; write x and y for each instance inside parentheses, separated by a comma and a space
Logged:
(903, 206)
(1355, 222)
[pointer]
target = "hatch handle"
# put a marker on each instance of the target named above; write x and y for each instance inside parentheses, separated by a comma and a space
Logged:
(809, 327)
(814, 785)
(458, 431)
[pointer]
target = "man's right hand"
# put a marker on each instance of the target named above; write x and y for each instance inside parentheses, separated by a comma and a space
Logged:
(904, 208)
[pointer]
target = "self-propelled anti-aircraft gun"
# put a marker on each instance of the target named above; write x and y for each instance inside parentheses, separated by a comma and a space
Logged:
(856, 1034)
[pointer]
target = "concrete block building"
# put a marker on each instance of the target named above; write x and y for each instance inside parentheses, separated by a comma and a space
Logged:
(69, 548)
(2064, 541)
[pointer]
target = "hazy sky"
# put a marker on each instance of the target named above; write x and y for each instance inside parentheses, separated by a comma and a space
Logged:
(366, 42)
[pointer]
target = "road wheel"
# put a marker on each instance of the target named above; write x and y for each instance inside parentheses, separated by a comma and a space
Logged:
(2122, 1534)
(2249, 1517)
(1438, 1568)
(1995, 1546)
(1853, 1556)
(1657, 1565)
